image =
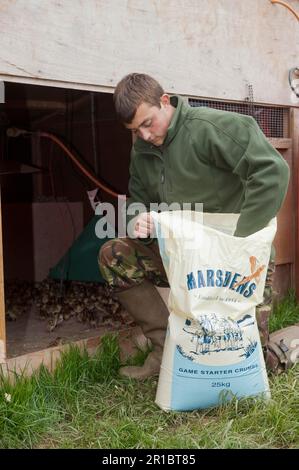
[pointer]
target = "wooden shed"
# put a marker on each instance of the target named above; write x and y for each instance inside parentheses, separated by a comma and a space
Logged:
(59, 64)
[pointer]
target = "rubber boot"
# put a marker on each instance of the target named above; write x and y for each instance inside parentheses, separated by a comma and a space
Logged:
(149, 311)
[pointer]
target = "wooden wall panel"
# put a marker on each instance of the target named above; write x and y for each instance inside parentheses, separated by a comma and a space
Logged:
(201, 48)
(283, 280)
(285, 238)
(2, 306)
(36, 235)
(295, 139)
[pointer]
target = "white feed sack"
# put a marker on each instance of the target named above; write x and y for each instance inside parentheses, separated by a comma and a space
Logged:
(212, 349)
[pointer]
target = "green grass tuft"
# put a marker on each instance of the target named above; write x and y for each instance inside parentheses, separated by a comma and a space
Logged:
(285, 313)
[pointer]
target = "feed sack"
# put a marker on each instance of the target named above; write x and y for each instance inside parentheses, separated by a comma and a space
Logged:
(212, 349)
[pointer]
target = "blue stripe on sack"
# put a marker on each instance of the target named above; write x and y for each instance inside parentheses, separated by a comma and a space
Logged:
(204, 387)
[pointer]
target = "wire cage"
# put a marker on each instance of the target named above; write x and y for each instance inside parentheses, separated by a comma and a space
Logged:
(273, 120)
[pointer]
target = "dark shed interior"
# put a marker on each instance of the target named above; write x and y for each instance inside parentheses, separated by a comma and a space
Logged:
(45, 204)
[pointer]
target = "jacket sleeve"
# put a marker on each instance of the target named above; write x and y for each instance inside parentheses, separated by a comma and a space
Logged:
(138, 201)
(243, 149)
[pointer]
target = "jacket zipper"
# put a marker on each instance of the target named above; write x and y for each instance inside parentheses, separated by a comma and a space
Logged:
(163, 179)
(159, 154)
(162, 184)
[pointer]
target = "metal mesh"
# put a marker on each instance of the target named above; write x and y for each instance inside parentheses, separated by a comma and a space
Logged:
(272, 120)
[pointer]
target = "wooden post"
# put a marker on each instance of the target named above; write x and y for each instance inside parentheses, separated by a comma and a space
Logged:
(2, 304)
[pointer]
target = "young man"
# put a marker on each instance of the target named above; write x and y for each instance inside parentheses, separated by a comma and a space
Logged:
(186, 155)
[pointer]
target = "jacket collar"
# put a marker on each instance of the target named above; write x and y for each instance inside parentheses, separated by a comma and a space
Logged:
(175, 124)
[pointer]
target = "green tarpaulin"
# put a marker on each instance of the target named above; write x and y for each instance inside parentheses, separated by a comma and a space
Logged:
(80, 263)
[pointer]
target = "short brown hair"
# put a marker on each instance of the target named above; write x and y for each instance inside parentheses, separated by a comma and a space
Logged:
(131, 91)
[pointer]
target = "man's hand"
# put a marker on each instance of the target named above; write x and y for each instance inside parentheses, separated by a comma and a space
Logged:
(144, 226)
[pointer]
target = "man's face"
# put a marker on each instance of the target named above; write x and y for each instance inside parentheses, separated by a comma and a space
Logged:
(151, 123)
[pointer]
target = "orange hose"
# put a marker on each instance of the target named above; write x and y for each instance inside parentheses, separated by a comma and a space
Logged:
(287, 6)
(79, 165)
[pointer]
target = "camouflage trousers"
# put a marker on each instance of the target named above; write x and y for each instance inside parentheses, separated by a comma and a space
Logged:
(126, 262)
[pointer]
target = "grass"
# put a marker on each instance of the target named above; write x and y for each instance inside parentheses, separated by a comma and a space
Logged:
(85, 404)
(285, 312)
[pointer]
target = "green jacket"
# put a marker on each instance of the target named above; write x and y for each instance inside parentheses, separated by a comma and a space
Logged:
(218, 158)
